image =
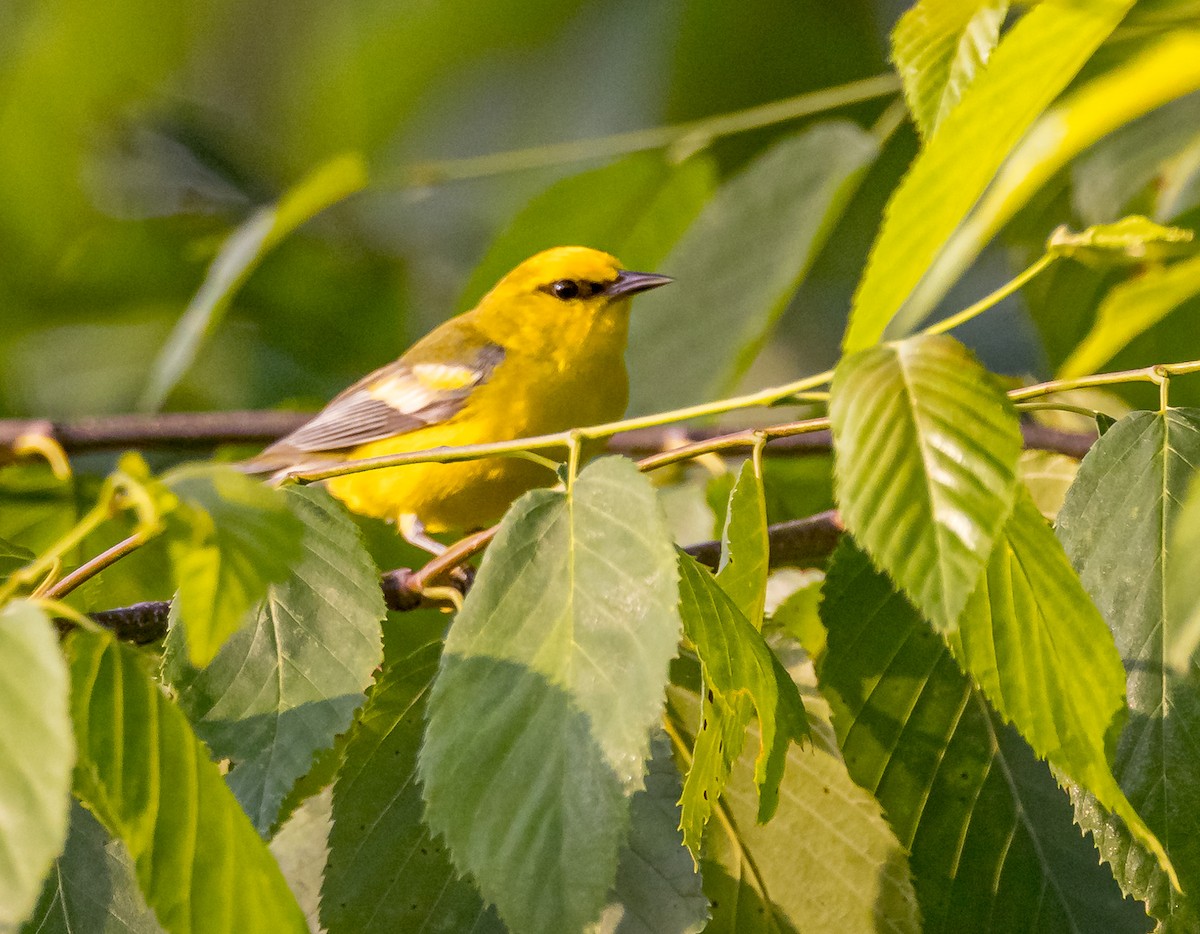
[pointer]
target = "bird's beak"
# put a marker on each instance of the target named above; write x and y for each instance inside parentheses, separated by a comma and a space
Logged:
(630, 283)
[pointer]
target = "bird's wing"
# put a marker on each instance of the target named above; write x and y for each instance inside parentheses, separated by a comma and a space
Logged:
(401, 397)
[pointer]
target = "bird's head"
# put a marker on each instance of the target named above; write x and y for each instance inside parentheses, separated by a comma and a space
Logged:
(565, 289)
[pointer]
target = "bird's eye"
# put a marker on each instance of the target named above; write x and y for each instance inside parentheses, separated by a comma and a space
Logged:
(566, 289)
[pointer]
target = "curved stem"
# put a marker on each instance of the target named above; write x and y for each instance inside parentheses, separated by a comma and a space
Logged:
(973, 311)
(693, 134)
(90, 569)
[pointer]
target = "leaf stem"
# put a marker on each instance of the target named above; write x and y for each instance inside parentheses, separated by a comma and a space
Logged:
(973, 311)
(91, 568)
(688, 136)
(50, 558)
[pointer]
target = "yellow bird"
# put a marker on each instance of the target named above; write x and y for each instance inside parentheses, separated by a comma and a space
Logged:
(542, 352)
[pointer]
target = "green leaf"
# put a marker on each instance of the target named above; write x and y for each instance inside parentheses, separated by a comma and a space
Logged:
(91, 887)
(993, 845)
(36, 508)
(1168, 69)
(940, 47)
(1130, 309)
(13, 557)
(745, 547)
(658, 890)
(386, 872)
(230, 537)
(1118, 519)
(301, 847)
(551, 680)
(240, 255)
(739, 264)
(603, 208)
(1042, 655)
(1047, 476)
(286, 684)
(927, 447)
(146, 777)
(38, 752)
(1038, 57)
(1183, 582)
(826, 862)
(798, 615)
(743, 680)
(1129, 241)
(1136, 164)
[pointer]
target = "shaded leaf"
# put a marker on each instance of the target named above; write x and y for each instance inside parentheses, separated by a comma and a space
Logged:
(743, 680)
(288, 682)
(229, 538)
(301, 847)
(745, 548)
(658, 890)
(551, 679)
(827, 862)
(1133, 164)
(1116, 524)
(739, 264)
(603, 208)
(1131, 308)
(91, 888)
(13, 557)
(1130, 240)
(927, 447)
(1040, 652)
(993, 845)
(1034, 62)
(386, 871)
(147, 778)
(940, 47)
(239, 257)
(38, 752)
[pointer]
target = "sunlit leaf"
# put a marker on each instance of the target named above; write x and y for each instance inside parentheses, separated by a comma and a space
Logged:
(288, 682)
(1131, 308)
(91, 887)
(550, 682)
(848, 875)
(1047, 475)
(1117, 525)
(745, 548)
(1130, 240)
(602, 208)
(940, 47)
(1034, 62)
(927, 448)
(1166, 70)
(37, 751)
(230, 537)
(301, 847)
(993, 845)
(146, 777)
(743, 681)
(739, 264)
(239, 257)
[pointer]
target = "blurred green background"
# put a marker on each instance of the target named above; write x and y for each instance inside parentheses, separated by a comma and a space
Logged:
(134, 135)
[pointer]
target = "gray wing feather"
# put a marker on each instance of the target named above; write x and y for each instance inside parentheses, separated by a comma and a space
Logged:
(356, 416)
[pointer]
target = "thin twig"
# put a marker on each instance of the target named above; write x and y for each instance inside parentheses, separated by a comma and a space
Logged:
(800, 543)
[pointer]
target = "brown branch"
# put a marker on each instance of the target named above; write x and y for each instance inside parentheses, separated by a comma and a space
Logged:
(799, 543)
(210, 429)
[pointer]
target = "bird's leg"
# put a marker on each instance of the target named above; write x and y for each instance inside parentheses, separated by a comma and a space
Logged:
(413, 532)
